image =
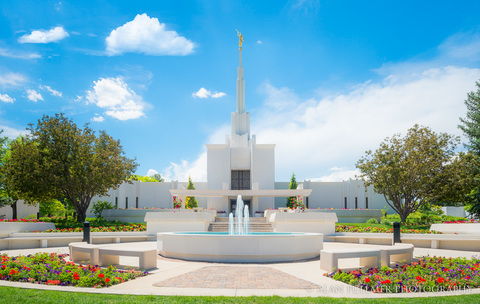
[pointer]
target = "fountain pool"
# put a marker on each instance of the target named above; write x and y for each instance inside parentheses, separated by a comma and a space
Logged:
(239, 245)
(252, 247)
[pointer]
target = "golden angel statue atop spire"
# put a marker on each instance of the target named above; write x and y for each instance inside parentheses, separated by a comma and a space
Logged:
(240, 38)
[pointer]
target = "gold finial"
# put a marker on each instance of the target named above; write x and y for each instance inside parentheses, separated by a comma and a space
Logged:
(240, 38)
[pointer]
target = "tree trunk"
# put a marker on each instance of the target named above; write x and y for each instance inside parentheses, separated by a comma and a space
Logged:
(81, 214)
(81, 208)
(403, 217)
(14, 210)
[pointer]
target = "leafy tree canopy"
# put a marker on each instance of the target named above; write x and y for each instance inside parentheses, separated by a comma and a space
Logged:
(293, 185)
(418, 168)
(60, 160)
(141, 178)
(190, 201)
(471, 128)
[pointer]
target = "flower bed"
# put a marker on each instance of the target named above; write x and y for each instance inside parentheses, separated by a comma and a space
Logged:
(118, 228)
(20, 220)
(53, 269)
(345, 228)
(428, 274)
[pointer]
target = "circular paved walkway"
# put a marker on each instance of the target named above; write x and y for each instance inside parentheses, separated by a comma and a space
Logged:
(298, 279)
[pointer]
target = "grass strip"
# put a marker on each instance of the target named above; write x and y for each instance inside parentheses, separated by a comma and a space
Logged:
(24, 295)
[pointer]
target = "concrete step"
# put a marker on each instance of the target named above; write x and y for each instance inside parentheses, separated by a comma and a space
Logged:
(256, 226)
(252, 219)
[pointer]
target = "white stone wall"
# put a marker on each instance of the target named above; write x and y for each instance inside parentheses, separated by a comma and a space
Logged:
(263, 174)
(150, 195)
(23, 210)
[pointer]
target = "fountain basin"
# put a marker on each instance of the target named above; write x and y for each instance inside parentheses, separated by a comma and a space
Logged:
(253, 248)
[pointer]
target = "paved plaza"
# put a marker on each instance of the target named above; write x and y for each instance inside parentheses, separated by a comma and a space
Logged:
(299, 279)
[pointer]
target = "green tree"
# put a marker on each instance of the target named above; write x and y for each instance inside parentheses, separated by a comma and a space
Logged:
(99, 206)
(4, 198)
(51, 207)
(471, 128)
(144, 179)
(158, 177)
(7, 197)
(413, 170)
(147, 179)
(293, 185)
(60, 160)
(190, 201)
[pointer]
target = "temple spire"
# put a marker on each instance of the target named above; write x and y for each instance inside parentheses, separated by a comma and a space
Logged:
(240, 78)
(240, 118)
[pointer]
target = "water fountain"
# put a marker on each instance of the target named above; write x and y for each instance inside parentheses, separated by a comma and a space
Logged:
(239, 244)
(242, 214)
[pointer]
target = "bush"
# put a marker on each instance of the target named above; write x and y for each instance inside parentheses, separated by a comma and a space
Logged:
(372, 221)
(53, 207)
(386, 222)
(99, 206)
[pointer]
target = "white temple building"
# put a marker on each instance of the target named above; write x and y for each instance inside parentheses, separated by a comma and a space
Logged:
(240, 166)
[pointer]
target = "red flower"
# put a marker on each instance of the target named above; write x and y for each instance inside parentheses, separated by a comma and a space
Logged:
(12, 271)
(367, 280)
(101, 276)
(440, 280)
(107, 280)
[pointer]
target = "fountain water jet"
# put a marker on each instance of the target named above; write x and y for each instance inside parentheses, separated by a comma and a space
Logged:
(231, 228)
(246, 220)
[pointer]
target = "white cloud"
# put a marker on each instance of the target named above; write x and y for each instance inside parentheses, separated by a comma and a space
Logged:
(98, 118)
(204, 93)
(114, 95)
(12, 79)
(52, 91)
(313, 135)
(197, 170)
(11, 132)
(152, 172)
(218, 94)
(337, 175)
(44, 36)
(259, 42)
(18, 55)
(149, 36)
(34, 95)
(6, 98)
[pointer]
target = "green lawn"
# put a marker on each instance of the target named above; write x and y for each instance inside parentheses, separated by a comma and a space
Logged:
(21, 295)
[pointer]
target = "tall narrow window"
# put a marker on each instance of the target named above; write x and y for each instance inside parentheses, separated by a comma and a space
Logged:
(136, 202)
(240, 180)
(366, 203)
(116, 202)
(356, 202)
(126, 203)
(345, 203)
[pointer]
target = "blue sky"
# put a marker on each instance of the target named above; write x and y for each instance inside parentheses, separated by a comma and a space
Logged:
(325, 80)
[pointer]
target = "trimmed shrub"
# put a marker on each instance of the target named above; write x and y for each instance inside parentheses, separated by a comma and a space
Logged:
(99, 206)
(372, 221)
(386, 222)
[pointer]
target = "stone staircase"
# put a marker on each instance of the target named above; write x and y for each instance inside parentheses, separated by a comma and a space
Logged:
(256, 224)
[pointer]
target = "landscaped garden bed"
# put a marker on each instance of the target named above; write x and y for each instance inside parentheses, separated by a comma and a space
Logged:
(368, 229)
(115, 228)
(53, 269)
(429, 274)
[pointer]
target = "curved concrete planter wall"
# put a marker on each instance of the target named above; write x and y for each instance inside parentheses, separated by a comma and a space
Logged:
(7, 228)
(463, 228)
(215, 247)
